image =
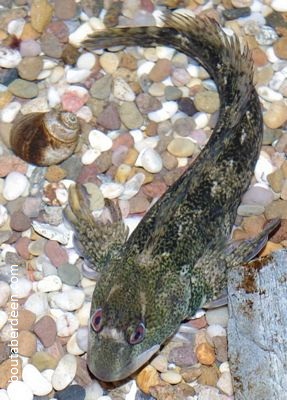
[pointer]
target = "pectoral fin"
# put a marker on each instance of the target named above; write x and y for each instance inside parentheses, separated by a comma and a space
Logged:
(95, 240)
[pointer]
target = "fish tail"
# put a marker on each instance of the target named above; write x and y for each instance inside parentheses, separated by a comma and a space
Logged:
(204, 40)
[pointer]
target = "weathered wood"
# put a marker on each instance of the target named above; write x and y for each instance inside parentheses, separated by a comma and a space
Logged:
(257, 328)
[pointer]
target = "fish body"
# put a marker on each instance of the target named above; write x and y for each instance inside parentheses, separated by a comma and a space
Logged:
(178, 255)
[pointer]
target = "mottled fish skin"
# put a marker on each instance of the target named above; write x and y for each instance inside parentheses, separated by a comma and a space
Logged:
(175, 258)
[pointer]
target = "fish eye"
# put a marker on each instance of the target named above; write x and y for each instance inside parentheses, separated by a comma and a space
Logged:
(97, 320)
(137, 335)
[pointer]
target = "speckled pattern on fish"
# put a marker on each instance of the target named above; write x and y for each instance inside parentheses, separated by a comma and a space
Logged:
(178, 255)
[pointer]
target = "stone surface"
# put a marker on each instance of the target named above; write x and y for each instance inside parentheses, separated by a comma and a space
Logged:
(45, 329)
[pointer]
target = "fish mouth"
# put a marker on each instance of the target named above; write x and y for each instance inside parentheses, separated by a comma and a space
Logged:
(127, 370)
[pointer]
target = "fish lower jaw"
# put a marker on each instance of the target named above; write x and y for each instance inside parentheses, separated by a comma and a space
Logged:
(112, 375)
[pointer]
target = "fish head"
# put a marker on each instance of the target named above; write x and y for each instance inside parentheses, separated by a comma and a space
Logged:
(130, 320)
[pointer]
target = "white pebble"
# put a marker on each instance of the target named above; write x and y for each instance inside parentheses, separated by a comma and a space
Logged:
(10, 111)
(83, 314)
(21, 288)
(279, 5)
(15, 185)
(62, 195)
(69, 300)
(48, 63)
(72, 346)
(3, 394)
(9, 58)
(82, 337)
(277, 80)
(201, 120)
(80, 34)
(85, 113)
(16, 26)
(96, 23)
(44, 74)
(36, 382)
(151, 142)
(19, 390)
(65, 372)
(193, 70)
(86, 61)
(137, 135)
(4, 293)
(132, 186)
(37, 303)
(93, 391)
(150, 160)
(57, 73)
(3, 318)
(122, 90)
(59, 233)
(164, 52)
(90, 156)
(3, 215)
(224, 383)
(268, 94)
(50, 283)
(67, 323)
(75, 75)
(99, 141)
(169, 108)
(271, 55)
(53, 97)
(171, 377)
(145, 68)
(263, 167)
(215, 330)
(111, 190)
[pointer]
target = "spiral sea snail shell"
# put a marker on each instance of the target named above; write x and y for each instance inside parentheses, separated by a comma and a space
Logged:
(45, 138)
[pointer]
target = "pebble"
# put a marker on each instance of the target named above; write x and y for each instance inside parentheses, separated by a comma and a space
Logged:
(147, 103)
(30, 48)
(41, 14)
(246, 210)
(171, 377)
(43, 360)
(109, 62)
(110, 118)
(266, 36)
(99, 141)
(147, 378)
(27, 343)
(67, 324)
(65, 372)
(4, 293)
(35, 381)
(182, 356)
(56, 253)
(217, 316)
(94, 391)
(26, 320)
(205, 354)
(207, 101)
(169, 108)
(280, 48)
(235, 13)
(19, 221)
(30, 67)
(9, 58)
(277, 209)
(215, 330)
(101, 88)
(65, 9)
(224, 383)
(23, 88)
(10, 111)
(201, 120)
(3, 318)
(122, 90)
(186, 105)
(73, 347)
(150, 160)
(268, 94)
(279, 5)
(68, 300)
(172, 93)
(159, 363)
(5, 370)
(111, 190)
(276, 115)
(130, 115)
(87, 61)
(50, 283)
(275, 180)
(73, 392)
(76, 75)
(37, 303)
(69, 274)
(19, 390)
(161, 70)
(181, 147)
(5, 99)
(22, 288)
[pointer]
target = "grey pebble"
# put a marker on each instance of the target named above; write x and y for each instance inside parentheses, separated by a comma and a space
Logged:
(23, 89)
(101, 88)
(69, 274)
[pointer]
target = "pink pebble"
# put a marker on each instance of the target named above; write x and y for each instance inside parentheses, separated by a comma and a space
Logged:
(56, 253)
(71, 101)
(199, 136)
(30, 48)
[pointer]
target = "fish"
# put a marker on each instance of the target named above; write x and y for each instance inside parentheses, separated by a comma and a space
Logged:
(178, 256)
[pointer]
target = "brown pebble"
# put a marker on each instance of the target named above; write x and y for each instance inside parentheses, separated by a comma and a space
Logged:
(281, 233)
(56, 253)
(41, 14)
(104, 161)
(269, 248)
(55, 173)
(275, 180)
(182, 356)
(259, 57)
(21, 246)
(19, 221)
(110, 118)
(131, 157)
(198, 323)
(11, 163)
(30, 67)
(147, 378)
(128, 61)
(60, 30)
(51, 46)
(46, 330)
(253, 225)
(209, 375)
(70, 54)
(26, 319)
(65, 9)
(220, 344)
(154, 189)
(151, 129)
(277, 209)
(7, 370)
(161, 70)
(138, 204)
(169, 161)
(27, 343)
(190, 374)
(280, 47)
(205, 354)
